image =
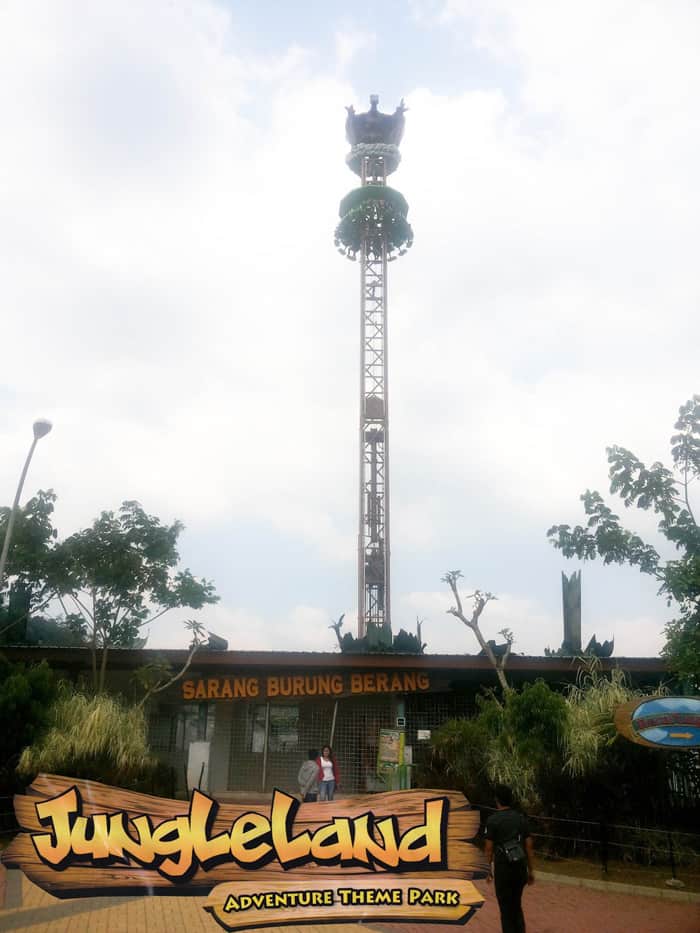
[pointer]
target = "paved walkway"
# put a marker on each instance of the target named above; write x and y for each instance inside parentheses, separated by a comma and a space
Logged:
(549, 908)
(563, 908)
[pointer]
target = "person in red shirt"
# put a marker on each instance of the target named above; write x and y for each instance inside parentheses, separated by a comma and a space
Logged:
(328, 774)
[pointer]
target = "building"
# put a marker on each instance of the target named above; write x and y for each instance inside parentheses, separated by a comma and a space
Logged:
(258, 713)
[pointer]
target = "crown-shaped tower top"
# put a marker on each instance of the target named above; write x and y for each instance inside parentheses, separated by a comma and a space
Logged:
(375, 127)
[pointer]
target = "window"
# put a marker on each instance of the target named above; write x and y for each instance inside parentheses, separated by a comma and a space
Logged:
(283, 735)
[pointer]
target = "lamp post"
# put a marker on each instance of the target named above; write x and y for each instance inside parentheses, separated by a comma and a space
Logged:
(41, 428)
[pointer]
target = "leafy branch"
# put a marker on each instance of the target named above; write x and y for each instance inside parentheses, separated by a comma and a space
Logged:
(666, 492)
(157, 676)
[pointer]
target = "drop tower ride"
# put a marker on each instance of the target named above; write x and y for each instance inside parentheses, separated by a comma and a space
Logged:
(374, 229)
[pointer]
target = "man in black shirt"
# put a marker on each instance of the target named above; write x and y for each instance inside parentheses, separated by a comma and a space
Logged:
(511, 873)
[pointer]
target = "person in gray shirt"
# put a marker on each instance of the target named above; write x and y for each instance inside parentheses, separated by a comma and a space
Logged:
(308, 778)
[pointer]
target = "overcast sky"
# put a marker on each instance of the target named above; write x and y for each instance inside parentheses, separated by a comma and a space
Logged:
(170, 174)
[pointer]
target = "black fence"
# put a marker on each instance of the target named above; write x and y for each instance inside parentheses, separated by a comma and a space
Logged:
(607, 845)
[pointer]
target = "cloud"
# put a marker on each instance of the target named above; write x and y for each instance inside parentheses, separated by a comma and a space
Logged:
(533, 628)
(351, 43)
(302, 628)
(174, 303)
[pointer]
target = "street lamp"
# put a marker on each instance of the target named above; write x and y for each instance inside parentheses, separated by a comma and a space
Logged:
(41, 428)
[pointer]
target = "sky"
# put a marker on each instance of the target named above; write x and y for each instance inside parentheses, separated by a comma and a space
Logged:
(170, 175)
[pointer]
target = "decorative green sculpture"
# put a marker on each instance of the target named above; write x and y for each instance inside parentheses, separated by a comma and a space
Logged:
(571, 603)
(379, 640)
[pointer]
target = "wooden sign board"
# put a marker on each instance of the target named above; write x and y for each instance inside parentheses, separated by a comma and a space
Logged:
(408, 855)
(661, 722)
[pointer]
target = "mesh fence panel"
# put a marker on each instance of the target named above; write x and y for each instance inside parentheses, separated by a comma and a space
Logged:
(264, 743)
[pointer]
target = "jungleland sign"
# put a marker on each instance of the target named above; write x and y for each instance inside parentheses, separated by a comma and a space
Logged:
(402, 856)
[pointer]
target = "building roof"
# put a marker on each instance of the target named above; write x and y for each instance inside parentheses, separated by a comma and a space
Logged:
(209, 660)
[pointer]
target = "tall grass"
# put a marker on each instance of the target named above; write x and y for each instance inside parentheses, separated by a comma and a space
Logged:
(538, 742)
(505, 764)
(591, 708)
(94, 737)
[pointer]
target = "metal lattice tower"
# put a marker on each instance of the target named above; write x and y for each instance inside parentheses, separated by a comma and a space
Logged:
(374, 228)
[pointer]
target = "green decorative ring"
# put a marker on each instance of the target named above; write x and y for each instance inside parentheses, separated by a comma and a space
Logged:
(375, 216)
(358, 196)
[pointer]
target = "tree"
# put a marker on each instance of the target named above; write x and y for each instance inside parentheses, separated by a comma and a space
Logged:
(110, 580)
(120, 575)
(56, 632)
(498, 660)
(26, 694)
(668, 493)
(33, 541)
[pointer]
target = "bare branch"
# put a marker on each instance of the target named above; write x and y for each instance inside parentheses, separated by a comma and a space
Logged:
(83, 610)
(481, 600)
(685, 489)
(156, 616)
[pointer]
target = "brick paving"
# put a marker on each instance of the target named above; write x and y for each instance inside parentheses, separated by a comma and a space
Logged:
(549, 908)
(563, 908)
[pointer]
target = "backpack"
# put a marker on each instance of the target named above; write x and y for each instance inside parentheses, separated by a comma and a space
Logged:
(513, 850)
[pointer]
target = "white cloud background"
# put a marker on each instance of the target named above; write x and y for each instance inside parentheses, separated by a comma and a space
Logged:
(172, 300)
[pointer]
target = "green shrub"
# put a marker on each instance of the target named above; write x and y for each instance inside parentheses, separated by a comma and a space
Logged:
(26, 695)
(98, 738)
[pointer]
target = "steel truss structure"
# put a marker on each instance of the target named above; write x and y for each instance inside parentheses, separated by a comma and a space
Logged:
(374, 606)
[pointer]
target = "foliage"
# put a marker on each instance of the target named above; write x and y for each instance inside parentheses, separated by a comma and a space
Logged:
(99, 738)
(560, 754)
(591, 706)
(369, 211)
(158, 675)
(110, 580)
(608, 776)
(26, 694)
(537, 717)
(33, 541)
(682, 648)
(515, 741)
(119, 575)
(528, 729)
(667, 492)
(33, 536)
(459, 749)
(64, 631)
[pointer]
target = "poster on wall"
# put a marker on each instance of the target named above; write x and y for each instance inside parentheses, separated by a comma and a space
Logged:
(390, 747)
